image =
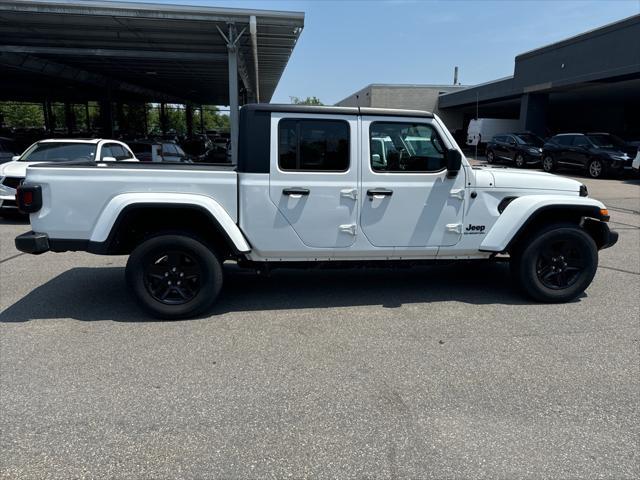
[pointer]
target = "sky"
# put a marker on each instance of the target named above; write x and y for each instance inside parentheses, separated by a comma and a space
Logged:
(348, 44)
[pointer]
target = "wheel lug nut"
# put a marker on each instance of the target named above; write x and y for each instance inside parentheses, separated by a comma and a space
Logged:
(169, 282)
(178, 282)
(173, 269)
(181, 274)
(166, 274)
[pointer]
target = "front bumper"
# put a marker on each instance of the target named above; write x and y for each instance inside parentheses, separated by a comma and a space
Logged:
(600, 232)
(532, 158)
(611, 239)
(33, 242)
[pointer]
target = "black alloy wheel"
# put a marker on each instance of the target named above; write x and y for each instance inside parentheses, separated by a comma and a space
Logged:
(172, 277)
(555, 264)
(519, 160)
(548, 165)
(560, 264)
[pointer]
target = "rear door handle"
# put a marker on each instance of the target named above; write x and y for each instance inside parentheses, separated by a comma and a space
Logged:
(379, 192)
(295, 191)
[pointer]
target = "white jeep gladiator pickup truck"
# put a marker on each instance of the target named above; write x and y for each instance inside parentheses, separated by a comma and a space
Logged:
(309, 188)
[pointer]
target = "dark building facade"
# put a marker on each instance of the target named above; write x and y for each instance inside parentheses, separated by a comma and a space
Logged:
(590, 82)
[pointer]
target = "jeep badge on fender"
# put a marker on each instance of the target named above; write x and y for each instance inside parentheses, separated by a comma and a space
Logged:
(474, 229)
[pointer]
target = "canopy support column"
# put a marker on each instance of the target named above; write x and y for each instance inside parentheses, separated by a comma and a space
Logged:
(189, 118)
(232, 56)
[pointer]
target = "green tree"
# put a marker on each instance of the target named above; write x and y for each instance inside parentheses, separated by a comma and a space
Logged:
(306, 101)
(213, 119)
(21, 114)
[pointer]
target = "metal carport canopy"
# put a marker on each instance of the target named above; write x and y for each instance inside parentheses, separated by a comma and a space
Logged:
(81, 50)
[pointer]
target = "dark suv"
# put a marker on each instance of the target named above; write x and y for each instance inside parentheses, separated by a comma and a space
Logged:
(520, 148)
(597, 154)
(8, 149)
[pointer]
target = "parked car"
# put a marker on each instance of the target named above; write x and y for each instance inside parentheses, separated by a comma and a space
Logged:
(8, 149)
(306, 192)
(481, 130)
(521, 149)
(172, 152)
(197, 145)
(13, 173)
(636, 162)
(147, 151)
(597, 154)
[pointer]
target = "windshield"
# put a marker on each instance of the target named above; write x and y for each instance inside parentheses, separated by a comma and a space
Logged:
(530, 139)
(59, 152)
(603, 140)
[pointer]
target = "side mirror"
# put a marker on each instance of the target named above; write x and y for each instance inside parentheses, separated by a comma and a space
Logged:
(15, 158)
(454, 162)
(109, 159)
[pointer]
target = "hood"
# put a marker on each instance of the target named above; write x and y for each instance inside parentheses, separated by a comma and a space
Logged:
(523, 179)
(615, 151)
(15, 169)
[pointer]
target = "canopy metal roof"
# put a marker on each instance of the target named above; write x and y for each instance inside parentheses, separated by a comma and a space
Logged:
(79, 50)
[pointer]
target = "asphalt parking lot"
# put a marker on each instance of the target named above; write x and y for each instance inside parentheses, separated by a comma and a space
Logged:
(440, 372)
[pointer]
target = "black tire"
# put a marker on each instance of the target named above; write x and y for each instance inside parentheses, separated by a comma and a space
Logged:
(518, 160)
(491, 157)
(548, 164)
(595, 168)
(191, 269)
(557, 264)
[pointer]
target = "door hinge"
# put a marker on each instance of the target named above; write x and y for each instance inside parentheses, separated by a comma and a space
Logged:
(351, 193)
(457, 193)
(454, 227)
(350, 228)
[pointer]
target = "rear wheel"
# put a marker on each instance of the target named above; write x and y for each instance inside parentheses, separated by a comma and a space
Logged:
(557, 264)
(174, 276)
(548, 165)
(519, 160)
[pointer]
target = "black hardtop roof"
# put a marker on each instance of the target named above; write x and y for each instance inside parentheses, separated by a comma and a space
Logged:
(287, 108)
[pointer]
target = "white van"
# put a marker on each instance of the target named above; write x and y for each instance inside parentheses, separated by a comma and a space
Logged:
(482, 130)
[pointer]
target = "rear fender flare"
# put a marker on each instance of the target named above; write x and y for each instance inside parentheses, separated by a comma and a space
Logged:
(110, 213)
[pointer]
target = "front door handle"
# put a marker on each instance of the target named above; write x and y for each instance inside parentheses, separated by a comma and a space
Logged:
(379, 192)
(295, 192)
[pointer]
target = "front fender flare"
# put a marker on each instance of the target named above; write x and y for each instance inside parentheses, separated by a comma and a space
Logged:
(523, 209)
(117, 204)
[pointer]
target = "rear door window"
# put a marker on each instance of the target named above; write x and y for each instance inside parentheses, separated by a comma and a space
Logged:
(313, 145)
(564, 140)
(106, 151)
(580, 141)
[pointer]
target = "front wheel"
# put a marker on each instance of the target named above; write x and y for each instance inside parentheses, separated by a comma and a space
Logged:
(557, 264)
(174, 276)
(548, 165)
(519, 160)
(595, 169)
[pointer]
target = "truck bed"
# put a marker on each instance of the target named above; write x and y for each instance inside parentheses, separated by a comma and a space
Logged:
(75, 194)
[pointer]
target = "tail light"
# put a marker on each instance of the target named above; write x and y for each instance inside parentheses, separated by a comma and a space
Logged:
(29, 198)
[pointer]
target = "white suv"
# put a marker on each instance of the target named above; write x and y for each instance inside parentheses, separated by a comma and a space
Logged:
(13, 173)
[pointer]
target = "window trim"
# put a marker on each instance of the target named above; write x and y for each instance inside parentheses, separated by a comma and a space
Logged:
(308, 119)
(413, 172)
